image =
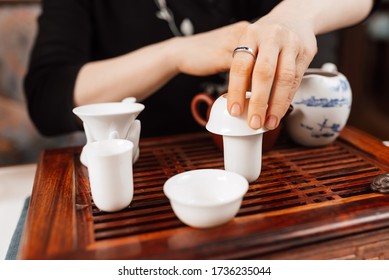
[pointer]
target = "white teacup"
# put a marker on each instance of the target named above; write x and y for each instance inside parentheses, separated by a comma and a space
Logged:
(243, 155)
(206, 198)
(111, 120)
(242, 144)
(110, 173)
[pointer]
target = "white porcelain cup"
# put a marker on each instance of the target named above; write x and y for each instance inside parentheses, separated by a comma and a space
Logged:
(206, 198)
(243, 155)
(242, 145)
(111, 120)
(110, 173)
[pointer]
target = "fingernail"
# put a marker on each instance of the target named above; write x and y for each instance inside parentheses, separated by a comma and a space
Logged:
(235, 110)
(271, 122)
(255, 122)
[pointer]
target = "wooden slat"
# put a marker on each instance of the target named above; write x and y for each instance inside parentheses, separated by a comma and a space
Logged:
(51, 223)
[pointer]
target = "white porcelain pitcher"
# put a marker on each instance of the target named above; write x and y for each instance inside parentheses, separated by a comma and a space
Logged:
(111, 120)
(322, 106)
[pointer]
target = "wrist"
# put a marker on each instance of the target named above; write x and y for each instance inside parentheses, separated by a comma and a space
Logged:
(322, 16)
(295, 14)
(171, 54)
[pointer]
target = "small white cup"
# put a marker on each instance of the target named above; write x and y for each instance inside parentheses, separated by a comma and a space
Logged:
(243, 155)
(205, 198)
(110, 173)
(242, 145)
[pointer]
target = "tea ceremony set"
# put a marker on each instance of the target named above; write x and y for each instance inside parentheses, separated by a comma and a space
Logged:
(205, 198)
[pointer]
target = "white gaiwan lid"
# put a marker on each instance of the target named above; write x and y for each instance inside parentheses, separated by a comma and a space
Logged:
(222, 123)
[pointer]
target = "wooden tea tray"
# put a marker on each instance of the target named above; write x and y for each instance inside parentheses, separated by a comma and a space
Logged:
(309, 203)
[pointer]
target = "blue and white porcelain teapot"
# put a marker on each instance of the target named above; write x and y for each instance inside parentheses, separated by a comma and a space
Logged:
(322, 106)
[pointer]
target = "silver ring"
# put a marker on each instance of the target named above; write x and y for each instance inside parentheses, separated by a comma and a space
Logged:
(244, 49)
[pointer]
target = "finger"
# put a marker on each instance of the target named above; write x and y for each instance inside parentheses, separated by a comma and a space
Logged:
(302, 63)
(239, 81)
(261, 84)
(284, 80)
(300, 70)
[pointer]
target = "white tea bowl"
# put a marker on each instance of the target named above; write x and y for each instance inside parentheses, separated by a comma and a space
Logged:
(206, 198)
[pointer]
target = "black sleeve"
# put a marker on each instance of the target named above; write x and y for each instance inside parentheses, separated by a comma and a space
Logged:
(61, 48)
(376, 4)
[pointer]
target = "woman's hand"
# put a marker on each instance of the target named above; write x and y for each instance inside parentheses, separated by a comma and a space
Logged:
(207, 53)
(284, 44)
(283, 51)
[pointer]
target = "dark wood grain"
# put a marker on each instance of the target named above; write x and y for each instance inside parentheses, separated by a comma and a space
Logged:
(308, 203)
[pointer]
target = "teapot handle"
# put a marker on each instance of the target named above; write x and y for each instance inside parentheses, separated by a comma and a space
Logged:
(194, 107)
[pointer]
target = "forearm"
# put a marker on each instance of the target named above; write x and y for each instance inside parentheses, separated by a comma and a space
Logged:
(142, 72)
(324, 15)
(137, 74)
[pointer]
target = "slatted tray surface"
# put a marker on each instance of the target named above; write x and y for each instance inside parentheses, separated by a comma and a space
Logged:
(290, 177)
(303, 196)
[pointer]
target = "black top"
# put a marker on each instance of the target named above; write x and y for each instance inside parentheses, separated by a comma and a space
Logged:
(74, 32)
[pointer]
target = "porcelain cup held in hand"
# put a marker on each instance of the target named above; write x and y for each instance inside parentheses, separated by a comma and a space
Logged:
(243, 155)
(322, 106)
(110, 173)
(206, 198)
(242, 144)
(111, 120)
(269, 138)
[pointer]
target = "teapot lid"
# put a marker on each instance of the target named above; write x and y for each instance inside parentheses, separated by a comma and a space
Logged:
(327, 69)
(222, 123)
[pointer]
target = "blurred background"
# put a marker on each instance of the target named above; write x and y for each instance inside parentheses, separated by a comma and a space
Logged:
(360, 52)
(19, 140)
